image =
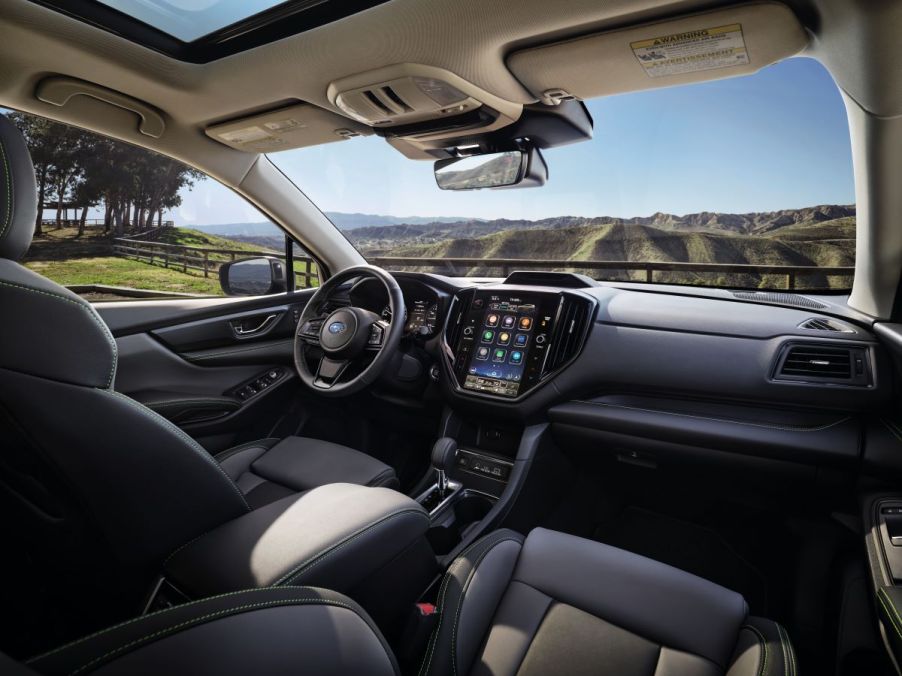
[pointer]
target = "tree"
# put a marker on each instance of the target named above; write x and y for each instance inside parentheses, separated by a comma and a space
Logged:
(76, 168)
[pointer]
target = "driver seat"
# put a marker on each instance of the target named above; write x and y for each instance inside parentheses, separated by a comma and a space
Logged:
(92, 481)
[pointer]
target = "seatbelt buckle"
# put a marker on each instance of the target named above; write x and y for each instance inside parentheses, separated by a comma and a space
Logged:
(421, 622)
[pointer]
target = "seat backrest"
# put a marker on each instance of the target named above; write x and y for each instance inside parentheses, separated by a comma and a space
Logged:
(97, 487)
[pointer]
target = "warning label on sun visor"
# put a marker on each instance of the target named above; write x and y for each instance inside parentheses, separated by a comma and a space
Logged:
(692, 51)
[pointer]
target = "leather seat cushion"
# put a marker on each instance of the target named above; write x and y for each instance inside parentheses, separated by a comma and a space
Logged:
(556, 603)
(271, 469)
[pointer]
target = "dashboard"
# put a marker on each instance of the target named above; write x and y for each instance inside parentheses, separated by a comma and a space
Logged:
(423, 303)
(520, 347)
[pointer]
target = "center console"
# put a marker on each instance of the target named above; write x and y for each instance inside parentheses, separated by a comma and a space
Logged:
(504, 341)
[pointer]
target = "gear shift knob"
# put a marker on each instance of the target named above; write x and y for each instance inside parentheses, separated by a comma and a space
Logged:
(443, 453)
(442, 456)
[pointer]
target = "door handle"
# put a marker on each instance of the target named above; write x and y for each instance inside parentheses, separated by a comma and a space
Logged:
(243, 331)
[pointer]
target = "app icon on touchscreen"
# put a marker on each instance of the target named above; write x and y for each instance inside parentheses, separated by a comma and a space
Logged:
(488, 336)
(525, 323)
(504, 338)
(500, 355)
(482, 353)
(492, 320)
(521, 340)
(508, 321)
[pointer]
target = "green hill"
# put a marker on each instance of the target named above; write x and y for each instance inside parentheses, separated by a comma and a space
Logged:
(812, 243)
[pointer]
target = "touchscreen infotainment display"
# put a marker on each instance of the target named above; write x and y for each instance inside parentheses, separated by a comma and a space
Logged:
(504, 342)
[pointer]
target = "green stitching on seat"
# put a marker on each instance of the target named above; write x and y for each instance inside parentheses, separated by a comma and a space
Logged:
(200, 620)
(156, 417)
(9, 189)
(890, 609)
(463, 594)
(140, 619)
(783, 650)
(789, 658)
(84, 306)
(458, 563)
(762, 668)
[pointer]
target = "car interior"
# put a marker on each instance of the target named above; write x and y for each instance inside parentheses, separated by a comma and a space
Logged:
(672, 480)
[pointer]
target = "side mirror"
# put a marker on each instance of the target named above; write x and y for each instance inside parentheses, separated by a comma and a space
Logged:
(508, 169)
(253, 277)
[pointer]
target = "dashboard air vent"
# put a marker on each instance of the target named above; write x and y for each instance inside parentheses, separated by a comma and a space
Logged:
(782, 298)
(824, 324)
(458, 310)
(824, 363)
(569, 332)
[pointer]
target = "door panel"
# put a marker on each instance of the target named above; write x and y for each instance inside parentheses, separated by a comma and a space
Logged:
(222, 371)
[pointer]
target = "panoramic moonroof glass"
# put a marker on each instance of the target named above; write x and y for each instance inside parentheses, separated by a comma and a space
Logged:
(189, 20)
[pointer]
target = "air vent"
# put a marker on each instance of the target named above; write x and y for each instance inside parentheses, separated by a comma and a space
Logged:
(824, 363)
(459, 307)
(376, 102)
(569, 332)
(782, 298)
(824, 324)
(400, 105)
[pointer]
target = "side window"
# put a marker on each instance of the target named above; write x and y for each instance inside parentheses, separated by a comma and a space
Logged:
(119, 222)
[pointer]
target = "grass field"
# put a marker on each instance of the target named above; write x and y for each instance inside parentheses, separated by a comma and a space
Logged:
(71, 261)
(115, 271)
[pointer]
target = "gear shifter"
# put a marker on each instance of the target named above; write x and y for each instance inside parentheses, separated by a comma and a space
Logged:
(443, 452)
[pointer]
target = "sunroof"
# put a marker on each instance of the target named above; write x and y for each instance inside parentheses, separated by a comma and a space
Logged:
(201, 31)
(189, 20)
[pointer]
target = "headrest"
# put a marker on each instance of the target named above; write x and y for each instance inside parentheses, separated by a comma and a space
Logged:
(18, 193)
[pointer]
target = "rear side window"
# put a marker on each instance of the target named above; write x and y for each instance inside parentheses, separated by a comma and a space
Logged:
(114, 223)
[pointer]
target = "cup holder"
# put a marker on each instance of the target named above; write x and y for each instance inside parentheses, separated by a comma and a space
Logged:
(466, 510)
(471, 508)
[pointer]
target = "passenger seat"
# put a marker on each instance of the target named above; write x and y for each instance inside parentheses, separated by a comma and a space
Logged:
(549, 604)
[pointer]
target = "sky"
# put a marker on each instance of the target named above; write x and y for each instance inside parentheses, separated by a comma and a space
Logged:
(775, 140)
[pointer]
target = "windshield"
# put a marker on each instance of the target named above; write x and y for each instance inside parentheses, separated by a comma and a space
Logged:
(744, 182)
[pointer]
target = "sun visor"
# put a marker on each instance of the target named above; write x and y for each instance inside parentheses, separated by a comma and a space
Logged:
(296, 126)
(707, 46)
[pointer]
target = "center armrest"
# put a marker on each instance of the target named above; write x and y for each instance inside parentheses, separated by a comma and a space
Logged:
(334, 536)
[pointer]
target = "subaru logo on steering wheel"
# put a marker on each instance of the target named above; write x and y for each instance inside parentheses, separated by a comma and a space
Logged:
(337, 327)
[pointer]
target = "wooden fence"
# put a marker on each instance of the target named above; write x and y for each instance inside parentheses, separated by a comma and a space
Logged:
(203, 260)
(206, 261)
(91, 223)
(459, 266)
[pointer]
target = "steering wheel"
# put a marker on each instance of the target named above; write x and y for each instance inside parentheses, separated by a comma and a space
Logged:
(351, 338)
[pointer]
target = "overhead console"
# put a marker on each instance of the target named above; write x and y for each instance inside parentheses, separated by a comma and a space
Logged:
(504, 341)
(417, 107)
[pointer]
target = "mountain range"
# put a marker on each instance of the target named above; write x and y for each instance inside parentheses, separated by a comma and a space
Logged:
(820, 236)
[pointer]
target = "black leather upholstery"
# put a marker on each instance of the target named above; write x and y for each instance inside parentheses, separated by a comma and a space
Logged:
(18, 206)
(100, 488)
(350, 532)
(288, 630)
(550, 604)
(270, 469)
(561, 604)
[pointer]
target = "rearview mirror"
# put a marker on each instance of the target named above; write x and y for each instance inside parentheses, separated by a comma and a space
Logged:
(253, 277)
(509, 169)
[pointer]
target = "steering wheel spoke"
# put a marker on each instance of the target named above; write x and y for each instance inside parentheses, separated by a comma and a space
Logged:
(309, 329)
(329, 371)
(378, 332)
